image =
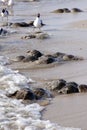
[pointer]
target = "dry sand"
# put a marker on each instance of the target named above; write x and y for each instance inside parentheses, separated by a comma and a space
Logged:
(68, 34)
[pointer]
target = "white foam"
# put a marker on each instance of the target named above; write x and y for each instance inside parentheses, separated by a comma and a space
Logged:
(11, 80)
(4, 60)
(4, 70)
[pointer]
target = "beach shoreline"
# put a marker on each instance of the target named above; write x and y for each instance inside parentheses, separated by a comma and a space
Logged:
(67, 34)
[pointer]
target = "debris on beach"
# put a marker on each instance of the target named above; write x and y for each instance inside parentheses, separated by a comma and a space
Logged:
(66, 10)
(61, 86)
(39, 58)
(22, 24)
(76, 10)
(18, 24)
(51, 89)
(31, 95)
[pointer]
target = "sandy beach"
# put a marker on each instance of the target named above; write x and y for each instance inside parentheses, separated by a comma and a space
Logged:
(68, 111)
(67, 34)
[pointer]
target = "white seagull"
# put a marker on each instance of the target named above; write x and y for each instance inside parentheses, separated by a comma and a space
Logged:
(4, 13)
(38, 22)
(10, 3)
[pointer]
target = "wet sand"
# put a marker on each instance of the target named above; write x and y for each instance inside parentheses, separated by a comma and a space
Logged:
(68, 110)
(67, 35)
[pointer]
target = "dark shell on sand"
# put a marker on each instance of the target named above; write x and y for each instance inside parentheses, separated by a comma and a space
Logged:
(45, 60)
(83, 88)
(25, 94)
(31, 23)
(29, 58)
(70, 87)
(22, 24)
(40, 58)
(40, 93)
(58, 11)
(68, 57)
(57, 85)
(35, 53)
(58, 54)
(73, 84)
(66, 10)
(20, 58)
(76, 10)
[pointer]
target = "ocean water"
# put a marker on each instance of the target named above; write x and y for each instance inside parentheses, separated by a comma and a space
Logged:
(14, 115)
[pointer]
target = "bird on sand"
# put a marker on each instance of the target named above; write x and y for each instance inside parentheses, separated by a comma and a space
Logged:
(4, 13)
(10, 3)
(38, 22)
